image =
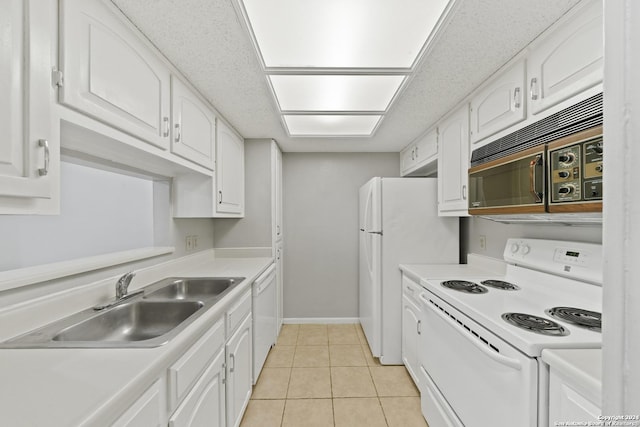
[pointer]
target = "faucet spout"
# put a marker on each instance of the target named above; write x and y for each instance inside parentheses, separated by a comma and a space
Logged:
(122, 285)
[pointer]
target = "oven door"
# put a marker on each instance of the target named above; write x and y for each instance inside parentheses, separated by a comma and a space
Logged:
(512, 184)
(476, 376)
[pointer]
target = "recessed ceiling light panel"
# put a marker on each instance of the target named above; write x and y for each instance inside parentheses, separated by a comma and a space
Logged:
(331, 125)
(342, 33)
(335, 92)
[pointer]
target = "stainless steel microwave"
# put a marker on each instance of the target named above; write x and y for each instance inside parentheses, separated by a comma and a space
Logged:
(564, 175)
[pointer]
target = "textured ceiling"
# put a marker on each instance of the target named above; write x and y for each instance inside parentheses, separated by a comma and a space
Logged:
(205, 40)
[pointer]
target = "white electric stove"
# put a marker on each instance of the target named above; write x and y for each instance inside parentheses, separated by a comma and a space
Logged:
(483, 334)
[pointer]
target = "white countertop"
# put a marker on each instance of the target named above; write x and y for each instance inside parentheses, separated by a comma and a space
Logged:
(70, 387)
(583, 367)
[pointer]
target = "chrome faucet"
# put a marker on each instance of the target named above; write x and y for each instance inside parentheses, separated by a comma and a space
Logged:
(122, 285)
(122, 291)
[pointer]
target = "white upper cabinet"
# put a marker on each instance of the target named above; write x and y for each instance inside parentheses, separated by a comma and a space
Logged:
(230, 172)
(193, 126)
(568, 60)
(419, 158)
(110, 74)
(29, 167)
(276, 190)
(453, 164)
(499, 104)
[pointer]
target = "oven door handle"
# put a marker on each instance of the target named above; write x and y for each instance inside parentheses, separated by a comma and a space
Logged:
(497, 357)
(532, 177)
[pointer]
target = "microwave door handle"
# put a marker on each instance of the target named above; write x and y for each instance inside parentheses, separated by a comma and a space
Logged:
(532, 178)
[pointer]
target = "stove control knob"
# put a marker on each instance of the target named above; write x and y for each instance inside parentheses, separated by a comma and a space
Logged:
(566, 158)
(514, 248)
(566, 189)
(525, 249)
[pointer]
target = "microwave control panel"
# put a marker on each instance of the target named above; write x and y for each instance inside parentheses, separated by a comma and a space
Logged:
(576, 172)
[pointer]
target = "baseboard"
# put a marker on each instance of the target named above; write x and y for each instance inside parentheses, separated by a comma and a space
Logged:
(320, 320)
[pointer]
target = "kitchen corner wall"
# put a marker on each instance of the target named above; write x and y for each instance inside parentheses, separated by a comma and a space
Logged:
(496, 234)
(321, 229)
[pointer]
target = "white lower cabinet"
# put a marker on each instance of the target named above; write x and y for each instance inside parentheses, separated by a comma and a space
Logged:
(239, 375)
(205, 404)
(411, 324)
(568, 401)
(146, 411)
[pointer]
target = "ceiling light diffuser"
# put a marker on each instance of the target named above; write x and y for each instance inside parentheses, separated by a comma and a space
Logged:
(331, 125)
(342, 33)
(335, 92)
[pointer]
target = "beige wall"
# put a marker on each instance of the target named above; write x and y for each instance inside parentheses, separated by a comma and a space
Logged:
(321, 229)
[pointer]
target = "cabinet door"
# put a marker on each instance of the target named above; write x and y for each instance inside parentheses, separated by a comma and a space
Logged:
(568, 60)
(278, 192)
(407, 159)
(27, 148)
(239, 375)
(500, 104)
(410, 335)
(193, 126)
(230, 171)
(110, 74)
(426, 150)
(453, 164)
(280, 282)
(145, 412)
(205, 404)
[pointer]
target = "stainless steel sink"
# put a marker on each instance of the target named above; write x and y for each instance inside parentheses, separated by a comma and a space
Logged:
(196, 288)
(149, 319)
(136, 321)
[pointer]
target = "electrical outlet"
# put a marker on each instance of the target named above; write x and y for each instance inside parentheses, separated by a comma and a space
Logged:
(189, 243)
(483, 243)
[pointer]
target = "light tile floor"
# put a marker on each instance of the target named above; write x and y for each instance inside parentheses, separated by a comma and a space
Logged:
(325, 375)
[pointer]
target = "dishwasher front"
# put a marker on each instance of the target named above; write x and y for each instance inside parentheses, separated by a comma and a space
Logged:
(264, 318)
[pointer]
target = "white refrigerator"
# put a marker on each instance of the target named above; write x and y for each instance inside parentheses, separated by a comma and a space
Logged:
(399, 224)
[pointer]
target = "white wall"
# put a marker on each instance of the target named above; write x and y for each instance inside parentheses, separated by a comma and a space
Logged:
(321, 229)
(101, 212)
(496, 234)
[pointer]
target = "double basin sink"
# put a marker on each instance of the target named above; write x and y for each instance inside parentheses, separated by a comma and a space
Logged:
(151, 319)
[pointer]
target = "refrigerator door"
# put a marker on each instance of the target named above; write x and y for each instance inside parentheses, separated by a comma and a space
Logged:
(370, 273)
(370, 205)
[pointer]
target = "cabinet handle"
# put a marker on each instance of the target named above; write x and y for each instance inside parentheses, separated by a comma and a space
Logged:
(233, 362)
(278, 230)
(278, 253)
(533, 88)
(166, 127)
(178, 133)
(220, 197)
(516, 97)
(419, 327)
(416, 152)
(464, 192)
(45, 144)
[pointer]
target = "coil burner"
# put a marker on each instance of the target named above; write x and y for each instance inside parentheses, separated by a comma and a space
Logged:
(577, 316)
(536, 324)
(500, 284)
(464, 286)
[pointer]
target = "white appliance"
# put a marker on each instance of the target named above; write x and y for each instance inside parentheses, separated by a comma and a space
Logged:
(399, 223)
(265, 328)
(475, 357)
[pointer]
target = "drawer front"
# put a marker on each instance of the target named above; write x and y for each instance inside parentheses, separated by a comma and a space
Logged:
(238, 312)
(411, 289)
(186, 371)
